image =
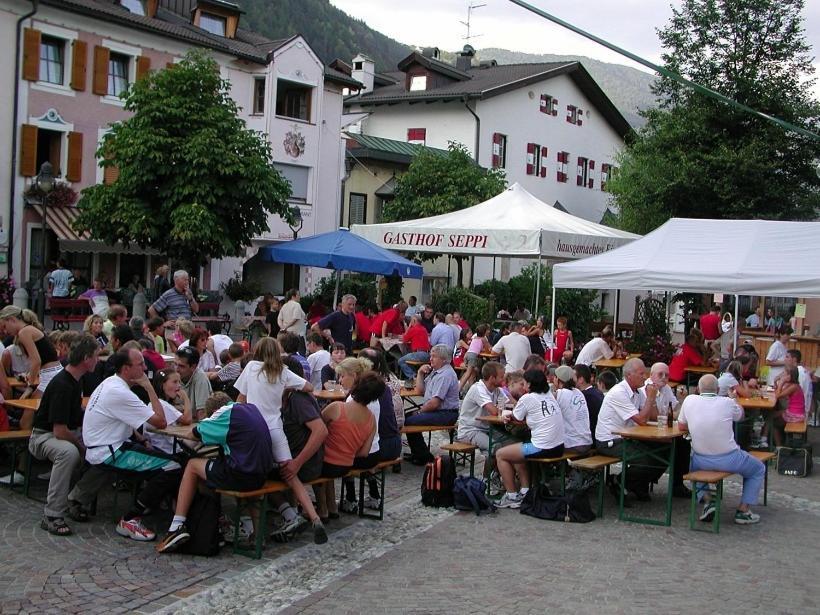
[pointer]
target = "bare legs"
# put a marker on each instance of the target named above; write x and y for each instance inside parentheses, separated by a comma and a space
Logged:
(510, 460)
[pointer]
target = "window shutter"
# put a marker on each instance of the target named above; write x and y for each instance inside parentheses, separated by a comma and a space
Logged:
(496, 150)
(110, 173)
(28, 150)
(544, 153)
(554, 106)
(544, 102)
(417, 136)
(74, 170)
(100, 82)
(31, 54)
(78, 65)
(530, 158)
(569, 113)
(604, 176)
(358, 209)
(579, 180)
(143, 66)
(579, 122)
(591, 181)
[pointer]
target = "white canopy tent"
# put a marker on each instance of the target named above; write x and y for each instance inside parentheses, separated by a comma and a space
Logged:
(741, 257)
(513, 223)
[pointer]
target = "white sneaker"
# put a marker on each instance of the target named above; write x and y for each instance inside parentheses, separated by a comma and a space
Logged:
(746, 518)
(510, 500)
(19, 479)
(135, 530)
(372, 503)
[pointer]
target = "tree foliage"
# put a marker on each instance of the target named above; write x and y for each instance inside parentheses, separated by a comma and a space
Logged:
(194, 182)
(436, 184)
(700, 158)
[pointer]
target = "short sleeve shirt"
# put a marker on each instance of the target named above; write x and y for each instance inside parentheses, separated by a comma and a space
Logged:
(341, 327)
(317, 361)
(777, 352)
(620, 404)
(710, 420)
(442, 383)
(112, 414)
(264, 394)
(61, 404)
(61, 281)
(543, 416)
(198, 389)
(173, 304)
(159, 441)
(301, 409)
(576, 417)
(472, 407)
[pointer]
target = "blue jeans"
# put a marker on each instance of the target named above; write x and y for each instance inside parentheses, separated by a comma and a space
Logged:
(408, 370)
(437, 417)
(738, 462)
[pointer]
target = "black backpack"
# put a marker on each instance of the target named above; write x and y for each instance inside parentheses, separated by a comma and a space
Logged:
(437, 482)
(470, 494)
(570, 508)
(794, 461)
(203, 524)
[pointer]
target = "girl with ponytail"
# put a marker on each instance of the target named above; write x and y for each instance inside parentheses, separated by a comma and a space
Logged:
(28, 335)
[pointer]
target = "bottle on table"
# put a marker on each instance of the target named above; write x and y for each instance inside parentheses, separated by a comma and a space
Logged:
(670, 416)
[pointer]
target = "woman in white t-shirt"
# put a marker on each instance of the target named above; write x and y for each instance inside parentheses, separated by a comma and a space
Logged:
(262, 383)
(543, 415)
(730, 383)
(573, 404)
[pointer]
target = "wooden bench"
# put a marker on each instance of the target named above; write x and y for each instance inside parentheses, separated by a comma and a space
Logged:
(545, 462)
(378, 471)
(795, 433)
(599, 464)
(64, 311)
(429, 429)
(277, 486)
(13, 439)
(460, 452)
(716, 477)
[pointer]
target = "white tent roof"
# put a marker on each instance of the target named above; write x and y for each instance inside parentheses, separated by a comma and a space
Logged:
(514, 223)
(742, 257)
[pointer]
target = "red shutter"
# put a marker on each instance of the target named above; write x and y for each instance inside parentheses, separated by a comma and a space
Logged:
(530, 158)
(569, 113)
(555, 106)
(579, 122)
(417, 136)
(496, 150)
(591, 181)
(544, 108)
(544, 153)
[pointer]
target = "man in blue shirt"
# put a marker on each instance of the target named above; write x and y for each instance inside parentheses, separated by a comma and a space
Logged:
(438, 383)
(338, 326)
(178, 302)
(60, 280)
(442, 333)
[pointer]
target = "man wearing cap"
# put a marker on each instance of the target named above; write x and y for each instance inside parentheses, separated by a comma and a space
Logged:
(577, 436)
(515, 347)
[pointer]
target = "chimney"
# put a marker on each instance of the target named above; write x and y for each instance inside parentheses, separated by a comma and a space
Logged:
(464, 59)
(364, 71)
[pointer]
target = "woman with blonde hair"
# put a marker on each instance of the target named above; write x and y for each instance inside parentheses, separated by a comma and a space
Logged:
(28, 335)
(262, 383)
(94, 326)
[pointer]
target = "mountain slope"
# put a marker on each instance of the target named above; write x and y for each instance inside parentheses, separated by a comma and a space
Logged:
(330, 32)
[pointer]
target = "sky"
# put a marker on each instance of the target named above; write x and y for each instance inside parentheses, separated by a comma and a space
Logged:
(630, 24)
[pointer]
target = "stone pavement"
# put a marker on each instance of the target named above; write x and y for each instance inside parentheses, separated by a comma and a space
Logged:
(423, 560)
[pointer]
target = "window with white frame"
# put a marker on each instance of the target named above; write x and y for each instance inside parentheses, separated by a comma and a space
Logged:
(52, 60)
(118, 66)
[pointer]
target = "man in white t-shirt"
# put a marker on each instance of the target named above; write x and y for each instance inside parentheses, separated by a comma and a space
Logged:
(776, 357)
(596, 349)
(111, 417)
(628, 403)
(709, 420)
(317, 358)
(515, 347)
(483, 399)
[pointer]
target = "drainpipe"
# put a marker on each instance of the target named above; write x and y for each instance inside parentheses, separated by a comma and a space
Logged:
(35, 4)
(477, 129)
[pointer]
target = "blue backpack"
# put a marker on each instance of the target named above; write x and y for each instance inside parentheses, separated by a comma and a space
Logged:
(470, 494)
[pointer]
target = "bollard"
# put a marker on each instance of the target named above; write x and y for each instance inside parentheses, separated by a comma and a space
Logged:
(20, 298)
(239, 311)
(138, 309)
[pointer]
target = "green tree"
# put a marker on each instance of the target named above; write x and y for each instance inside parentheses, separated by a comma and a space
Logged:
(436, 184)
(194, 183)
(700, 158)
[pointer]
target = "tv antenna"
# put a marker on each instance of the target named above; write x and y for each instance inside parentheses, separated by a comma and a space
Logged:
(471, 6)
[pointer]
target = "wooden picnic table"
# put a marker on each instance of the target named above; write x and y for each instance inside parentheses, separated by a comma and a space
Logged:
(329, 396)
(489, 355)
(614, 364)
(222, 320)
(31, 403)
(698, 371)
(409, 395)
(641, 441)
(181, 432)
(16, 383)
(764, 403)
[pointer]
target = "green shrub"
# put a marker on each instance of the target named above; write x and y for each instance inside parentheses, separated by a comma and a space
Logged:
(473, 308)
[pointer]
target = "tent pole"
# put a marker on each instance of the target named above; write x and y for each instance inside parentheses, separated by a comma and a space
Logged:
(449, 259)
(615, 319)
(737, 326)
(336, 292)
(552, 318)
(537, 286)
(493, 267)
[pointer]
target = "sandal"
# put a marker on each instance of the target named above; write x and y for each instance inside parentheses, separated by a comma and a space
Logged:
(56, 526)
(76, 512)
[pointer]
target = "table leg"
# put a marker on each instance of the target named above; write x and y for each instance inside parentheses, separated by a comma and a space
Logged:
(669, 483)
(634, 449)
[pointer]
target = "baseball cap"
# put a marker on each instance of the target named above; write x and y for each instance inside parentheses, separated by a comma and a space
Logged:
(565, 373)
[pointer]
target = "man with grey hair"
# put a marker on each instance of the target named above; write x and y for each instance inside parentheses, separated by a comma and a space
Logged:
(438, 384)
(177, 302)
(338, 326)
(627, 404)
(709, 420)
(515, 347)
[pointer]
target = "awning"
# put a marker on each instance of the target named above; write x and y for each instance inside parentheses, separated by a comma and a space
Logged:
(387, 190)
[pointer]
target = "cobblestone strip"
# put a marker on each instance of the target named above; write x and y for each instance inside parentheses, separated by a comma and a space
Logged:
(275, 586)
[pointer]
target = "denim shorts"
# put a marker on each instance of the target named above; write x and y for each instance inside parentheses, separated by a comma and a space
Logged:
(533, 452)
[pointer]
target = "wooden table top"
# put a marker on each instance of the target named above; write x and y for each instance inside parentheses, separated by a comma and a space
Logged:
(183, 432)
(649, 433)
(489, 355)
(701, 369)
(30, 403)
(16, 383)
(617, 363)
(765, 402)
(497, 420)
(330, 395)
(410, 393)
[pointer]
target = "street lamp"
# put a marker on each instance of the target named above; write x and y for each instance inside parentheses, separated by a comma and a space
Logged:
(45, 184)
(298, 221)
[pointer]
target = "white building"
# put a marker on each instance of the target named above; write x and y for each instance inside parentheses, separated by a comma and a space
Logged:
(549, 126)
(73, 52)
